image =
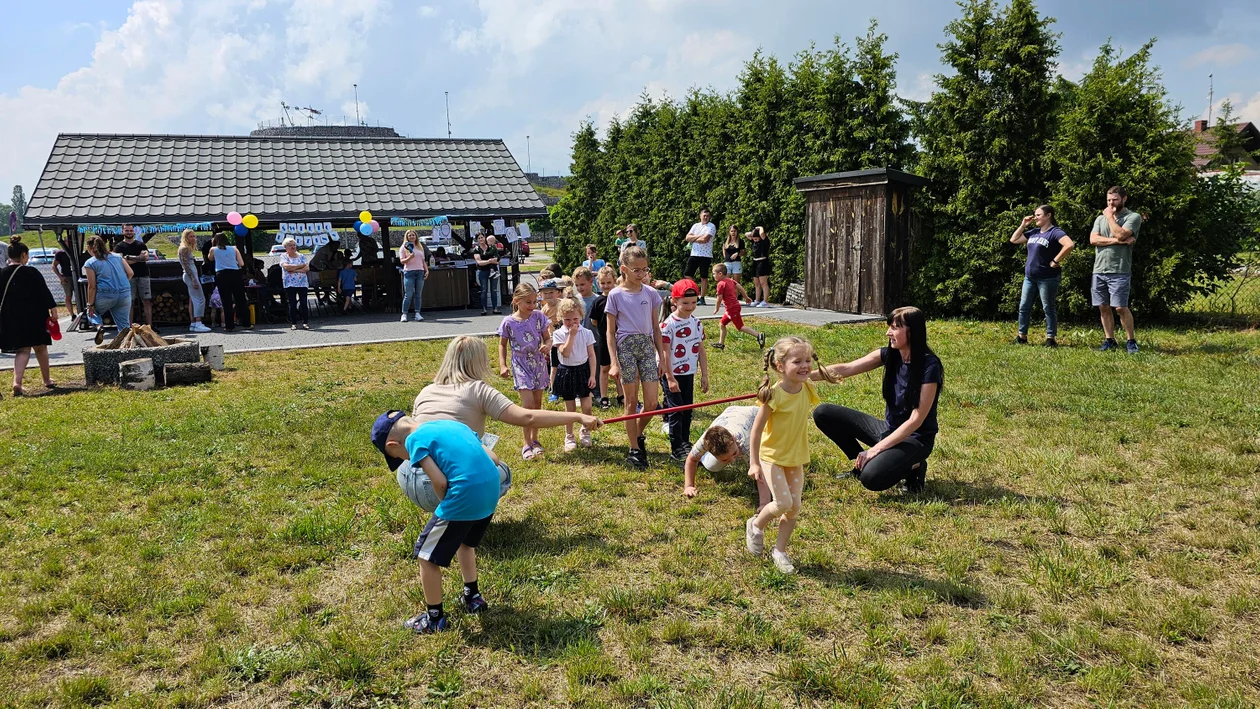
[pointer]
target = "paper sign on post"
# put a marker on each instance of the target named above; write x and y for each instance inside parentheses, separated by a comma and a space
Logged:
(511, 234)
(523, 228)
(499, 225)
(474, 228)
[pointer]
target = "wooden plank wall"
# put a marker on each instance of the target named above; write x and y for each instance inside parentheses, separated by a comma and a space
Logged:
(844, 262)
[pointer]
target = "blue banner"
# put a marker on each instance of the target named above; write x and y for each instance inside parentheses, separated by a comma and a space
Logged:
(403, 221)
(142, 229)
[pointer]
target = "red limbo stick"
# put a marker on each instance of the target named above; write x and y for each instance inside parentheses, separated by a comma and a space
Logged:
(627, 417)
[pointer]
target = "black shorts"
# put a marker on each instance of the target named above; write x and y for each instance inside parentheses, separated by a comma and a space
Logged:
(555, 357)
(761, 268)
(441, 538)
(699, 264)
(602, 356)
(571, 382)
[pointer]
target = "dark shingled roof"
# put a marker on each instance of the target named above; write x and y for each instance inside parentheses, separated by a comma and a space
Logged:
(165, 178)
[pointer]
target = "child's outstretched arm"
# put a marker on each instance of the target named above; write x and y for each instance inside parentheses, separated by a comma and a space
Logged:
(436, 476)
(614, 367)
(704, 368)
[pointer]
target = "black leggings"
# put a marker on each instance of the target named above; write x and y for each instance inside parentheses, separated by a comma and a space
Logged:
(679, 421)
(232, 293)
(296, 298)
(850, 429)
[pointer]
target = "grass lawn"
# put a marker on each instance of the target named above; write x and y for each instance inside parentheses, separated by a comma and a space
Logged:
(1089, 534)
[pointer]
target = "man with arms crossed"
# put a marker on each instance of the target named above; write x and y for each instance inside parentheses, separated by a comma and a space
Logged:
(701, 238)
(1114, 233)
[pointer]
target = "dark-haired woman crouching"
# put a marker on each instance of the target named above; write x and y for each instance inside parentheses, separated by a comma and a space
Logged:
(899, 445)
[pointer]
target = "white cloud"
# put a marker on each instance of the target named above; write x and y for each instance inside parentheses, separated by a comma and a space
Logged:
(192, 66)
(1248, 110)
(1221, 55)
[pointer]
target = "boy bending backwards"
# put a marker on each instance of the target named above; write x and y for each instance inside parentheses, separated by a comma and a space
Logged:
(466, 480)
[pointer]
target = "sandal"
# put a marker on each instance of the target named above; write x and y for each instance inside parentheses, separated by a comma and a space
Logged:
(527, 452)
(50, 385)
(18, 391)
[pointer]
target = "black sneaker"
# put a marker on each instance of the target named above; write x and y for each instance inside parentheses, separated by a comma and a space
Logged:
(604, 403)
(1109, 344)
(1131, 346)
(474, 603)
(718, 346)
(485, 312)
(643, 445)
(636, 458)
(424, 625)
(1050, 342)
(680, 454)
(916, 479)
(1021, 339)
(621, 402)
(496, 311)
(761, 340)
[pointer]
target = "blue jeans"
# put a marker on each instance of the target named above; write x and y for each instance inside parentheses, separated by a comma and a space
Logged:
(490, 295)
(1048, 288)
(118, 305)
(413, 286)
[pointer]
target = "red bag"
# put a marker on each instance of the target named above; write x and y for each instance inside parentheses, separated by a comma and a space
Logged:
(54, 328)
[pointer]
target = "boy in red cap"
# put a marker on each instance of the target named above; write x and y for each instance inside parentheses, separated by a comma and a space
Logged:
(683, 337)
(728, 293)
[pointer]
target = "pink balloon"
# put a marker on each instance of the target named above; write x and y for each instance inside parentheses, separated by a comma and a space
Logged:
(234, 218)
(376, 227)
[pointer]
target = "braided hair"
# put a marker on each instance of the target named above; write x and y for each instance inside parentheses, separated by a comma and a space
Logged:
(778, 354)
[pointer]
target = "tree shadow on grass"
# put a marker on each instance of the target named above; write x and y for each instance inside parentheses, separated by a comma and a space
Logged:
(514, 538)
(952, 592)
(530, 631)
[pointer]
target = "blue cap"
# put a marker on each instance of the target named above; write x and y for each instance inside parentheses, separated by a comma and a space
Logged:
(550, 283)
(380, 434)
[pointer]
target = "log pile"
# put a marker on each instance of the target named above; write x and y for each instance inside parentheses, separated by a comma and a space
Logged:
(137, 337)
(169, 308)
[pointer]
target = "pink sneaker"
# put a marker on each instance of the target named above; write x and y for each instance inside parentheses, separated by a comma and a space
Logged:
(585, 438)
(570, 443)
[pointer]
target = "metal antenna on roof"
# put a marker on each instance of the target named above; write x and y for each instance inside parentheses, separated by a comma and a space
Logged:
(1211, 97)
(356, 106)
(448, 114)
(529, 164)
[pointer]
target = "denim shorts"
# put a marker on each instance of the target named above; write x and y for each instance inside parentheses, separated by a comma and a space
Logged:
(1111, 289)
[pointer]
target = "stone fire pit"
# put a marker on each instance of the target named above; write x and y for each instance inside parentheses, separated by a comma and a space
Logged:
(100, 366)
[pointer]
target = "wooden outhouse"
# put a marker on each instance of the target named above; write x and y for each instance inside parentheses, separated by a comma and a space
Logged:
(858, 230)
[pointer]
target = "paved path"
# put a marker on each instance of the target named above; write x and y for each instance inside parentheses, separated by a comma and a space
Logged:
(379, 327)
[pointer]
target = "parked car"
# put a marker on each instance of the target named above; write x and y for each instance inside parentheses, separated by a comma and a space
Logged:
(155, 255)
(276, 249)
(42, 254)
(524, 247)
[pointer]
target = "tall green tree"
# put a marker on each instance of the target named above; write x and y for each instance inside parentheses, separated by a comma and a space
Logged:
(1231, 146)
(18, 204)
(983, 134)
(1122, 129)
(4, 218)
(574, 216)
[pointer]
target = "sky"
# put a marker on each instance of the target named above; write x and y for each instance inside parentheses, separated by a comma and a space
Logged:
(526, 71)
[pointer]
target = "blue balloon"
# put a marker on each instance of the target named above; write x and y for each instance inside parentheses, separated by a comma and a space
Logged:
(365, 229)
(240, 229)
(357, 224)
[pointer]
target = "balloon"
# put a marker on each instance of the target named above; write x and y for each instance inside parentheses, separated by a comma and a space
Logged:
(365, 229)
(234, 218)
(365, 216)
(357, 224)
(375, 227)
(250, 221)
(240, 229)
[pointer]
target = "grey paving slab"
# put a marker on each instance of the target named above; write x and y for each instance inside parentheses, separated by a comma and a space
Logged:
(366, 328)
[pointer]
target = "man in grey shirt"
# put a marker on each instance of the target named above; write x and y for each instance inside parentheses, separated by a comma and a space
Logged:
(1114, 233)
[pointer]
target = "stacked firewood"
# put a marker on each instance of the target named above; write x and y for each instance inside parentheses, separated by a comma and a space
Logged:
(167, 307)
(134, 338)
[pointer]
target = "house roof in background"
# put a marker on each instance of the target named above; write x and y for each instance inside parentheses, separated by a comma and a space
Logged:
(1205, 142)
(100, 178)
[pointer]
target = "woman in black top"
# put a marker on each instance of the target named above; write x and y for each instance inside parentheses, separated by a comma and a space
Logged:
(733, 253)
(486, 255)
(760, 267)
(25, 306)
(898, 445)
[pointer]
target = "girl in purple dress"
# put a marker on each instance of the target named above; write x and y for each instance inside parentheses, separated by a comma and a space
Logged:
(528, 332)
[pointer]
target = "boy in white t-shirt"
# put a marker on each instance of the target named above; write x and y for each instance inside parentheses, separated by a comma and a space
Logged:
(682, 334)
(700, 237)
(574, 346)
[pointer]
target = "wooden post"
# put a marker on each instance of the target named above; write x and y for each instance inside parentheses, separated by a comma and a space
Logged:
(136, 374)
(213, 356)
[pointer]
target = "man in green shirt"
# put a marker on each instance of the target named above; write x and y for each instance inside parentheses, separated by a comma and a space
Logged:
(1114, 233)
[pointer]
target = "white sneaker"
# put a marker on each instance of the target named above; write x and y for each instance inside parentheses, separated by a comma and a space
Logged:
(665, 427)
(404, 318)
(419, 317)
(782, 562)
(570, 443)
(198, 327)
(754, 539)
(764, 304)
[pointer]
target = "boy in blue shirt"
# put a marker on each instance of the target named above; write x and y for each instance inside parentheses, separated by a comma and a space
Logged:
(466, 480)
(345, 279)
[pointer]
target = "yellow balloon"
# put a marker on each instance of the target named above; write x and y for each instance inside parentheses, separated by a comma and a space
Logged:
(365, 216)
(250, 221)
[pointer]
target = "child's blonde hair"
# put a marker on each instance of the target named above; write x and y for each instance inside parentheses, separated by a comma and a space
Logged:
(523, 291)
(610, 272)
(466, 360)
(778, 354)
(583, 272)
(570, 306)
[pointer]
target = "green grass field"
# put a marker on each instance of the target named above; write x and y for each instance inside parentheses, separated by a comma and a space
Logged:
(1089, 535)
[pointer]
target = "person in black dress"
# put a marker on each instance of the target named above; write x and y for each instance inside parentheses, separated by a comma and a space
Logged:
(25, 306)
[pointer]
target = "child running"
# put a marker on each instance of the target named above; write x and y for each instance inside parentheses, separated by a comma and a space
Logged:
(528, 332)
(682, 334)
(779, 442)
(574, 345)
(635, 348)
(729, 291)
(599, 325)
